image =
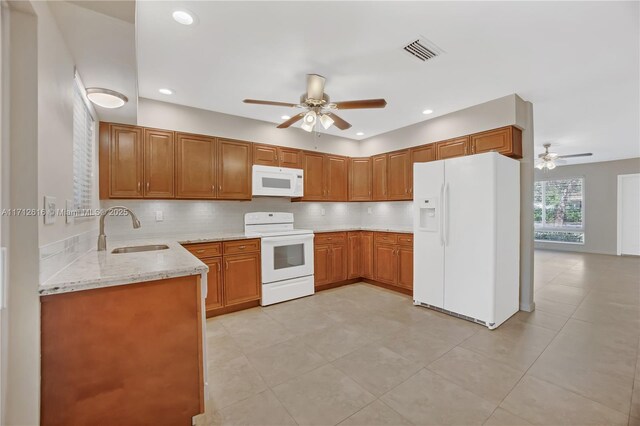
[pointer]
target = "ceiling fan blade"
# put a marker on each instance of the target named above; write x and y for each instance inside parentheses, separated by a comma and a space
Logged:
(584, 154)
(560, 161)
(339, 122)
(257, 102)
(290, 121)
(363, 103)
(315, 86)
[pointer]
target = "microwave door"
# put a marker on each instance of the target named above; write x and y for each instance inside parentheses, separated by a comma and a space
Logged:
(274, 184)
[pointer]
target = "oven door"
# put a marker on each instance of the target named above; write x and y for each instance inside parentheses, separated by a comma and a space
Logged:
(286, 257)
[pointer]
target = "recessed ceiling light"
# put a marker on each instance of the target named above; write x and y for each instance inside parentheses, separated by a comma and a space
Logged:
(106, 98)
(165, 91)
(183, 17)
(285, 117)
(360, 134)
(427, 111)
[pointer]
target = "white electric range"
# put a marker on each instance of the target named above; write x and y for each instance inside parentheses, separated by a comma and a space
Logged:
(287, 256)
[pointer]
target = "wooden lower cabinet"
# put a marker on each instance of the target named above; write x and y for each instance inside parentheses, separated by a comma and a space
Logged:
(241, 278)
(354, 255)
(234, 279)
(393, 259)
(386, 265)
(366, 245)
(136, 357)
(330, 258)
(405, 267)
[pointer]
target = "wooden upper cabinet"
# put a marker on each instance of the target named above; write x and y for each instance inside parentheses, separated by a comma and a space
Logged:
(266, 155)
(399, 175)
(314, 174)
(159, 164)
(366, 256)
(423, 154)
(195, 166)
(242, 282)
(290, 157)
(336, 178)
(360, 179)
(234, 170)
(125, 150)
(379, 177)
(451, 148)
(506, 141)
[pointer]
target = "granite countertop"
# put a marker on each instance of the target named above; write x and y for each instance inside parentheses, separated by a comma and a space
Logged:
(96, 269)
(400, 229)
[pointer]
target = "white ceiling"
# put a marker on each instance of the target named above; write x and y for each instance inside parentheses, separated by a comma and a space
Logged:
(577, 62)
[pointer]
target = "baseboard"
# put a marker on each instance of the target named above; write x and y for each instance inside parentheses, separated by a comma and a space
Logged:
(528, 307)
(337, 284)
(232, 308)
(388, 286)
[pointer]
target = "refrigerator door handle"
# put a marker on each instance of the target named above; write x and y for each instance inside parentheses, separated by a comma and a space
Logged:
(442, 214)
(446, 214)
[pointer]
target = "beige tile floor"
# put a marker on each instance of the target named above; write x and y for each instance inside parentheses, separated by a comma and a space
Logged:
(361, 355)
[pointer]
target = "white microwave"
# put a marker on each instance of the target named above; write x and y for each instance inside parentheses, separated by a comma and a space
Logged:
(273, 181)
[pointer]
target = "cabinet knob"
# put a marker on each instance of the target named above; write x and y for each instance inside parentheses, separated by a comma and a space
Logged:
(138, 186)
(218, 265)
(200, 251)
(226, 264)
(148, 185)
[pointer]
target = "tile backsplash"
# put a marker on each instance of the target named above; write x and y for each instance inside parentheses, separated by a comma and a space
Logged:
(180, 216)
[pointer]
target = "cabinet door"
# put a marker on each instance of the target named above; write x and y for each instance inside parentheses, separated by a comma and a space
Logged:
(338, 262)
(314, 176)
(366, 246)
(452, 148)
(195, 166)
(234, 170)
(360, 179)
(385, 263)
(241, 278)
(379, 177)
(266, 155)
(159, 173)
(354, 254)
(322, 264)
(289, 157)
(336, 181)
(125, 162)
(405, 267)
(214, 283)
(506, 141)
(423, 154)
(399, 175)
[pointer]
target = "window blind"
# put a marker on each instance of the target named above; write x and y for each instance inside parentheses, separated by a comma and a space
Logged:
(83, 136)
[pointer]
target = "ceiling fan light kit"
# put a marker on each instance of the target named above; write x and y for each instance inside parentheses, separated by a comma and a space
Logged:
(318, 106)
(549, 160)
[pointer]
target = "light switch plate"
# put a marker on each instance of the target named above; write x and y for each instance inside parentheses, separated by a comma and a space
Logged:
(369, 210)
(322, 212)
(49, 210)
(68, 210)
(159, 216)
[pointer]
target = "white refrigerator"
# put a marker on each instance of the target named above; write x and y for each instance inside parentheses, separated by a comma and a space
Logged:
(467, 237)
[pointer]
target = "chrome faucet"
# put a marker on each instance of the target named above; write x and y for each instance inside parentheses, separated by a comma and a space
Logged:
(102, 238)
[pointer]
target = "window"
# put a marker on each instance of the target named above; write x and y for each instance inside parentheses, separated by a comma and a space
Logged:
(558, 210)
(83, 134)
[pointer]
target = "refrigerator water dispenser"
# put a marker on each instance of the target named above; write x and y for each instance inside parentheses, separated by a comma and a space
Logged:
(428, 214)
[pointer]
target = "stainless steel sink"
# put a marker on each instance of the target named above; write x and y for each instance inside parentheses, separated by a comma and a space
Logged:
(136, 249)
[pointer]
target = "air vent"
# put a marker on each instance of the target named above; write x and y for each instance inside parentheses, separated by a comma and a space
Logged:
(422, 49)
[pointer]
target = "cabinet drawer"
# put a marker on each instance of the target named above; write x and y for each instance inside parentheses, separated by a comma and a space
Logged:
(331, 238)
(385, 238)
(405, 239)
(205, 250)
(241, 246)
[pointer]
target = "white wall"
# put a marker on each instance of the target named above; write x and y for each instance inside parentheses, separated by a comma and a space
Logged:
(600, 202)
(194, 120)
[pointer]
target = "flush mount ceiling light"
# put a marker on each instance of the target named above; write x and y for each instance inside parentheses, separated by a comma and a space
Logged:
(106, 98)
(427, 111)
(182, 17)
(166, 91)
(360, 134)
(285, 117)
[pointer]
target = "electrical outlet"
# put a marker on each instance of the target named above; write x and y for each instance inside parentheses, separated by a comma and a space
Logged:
(322, 212)
(49, 210)
(159, 216)
(369, 210)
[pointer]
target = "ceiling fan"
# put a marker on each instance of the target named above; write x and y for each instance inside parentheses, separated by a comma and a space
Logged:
(549, 160)
(319, 107)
